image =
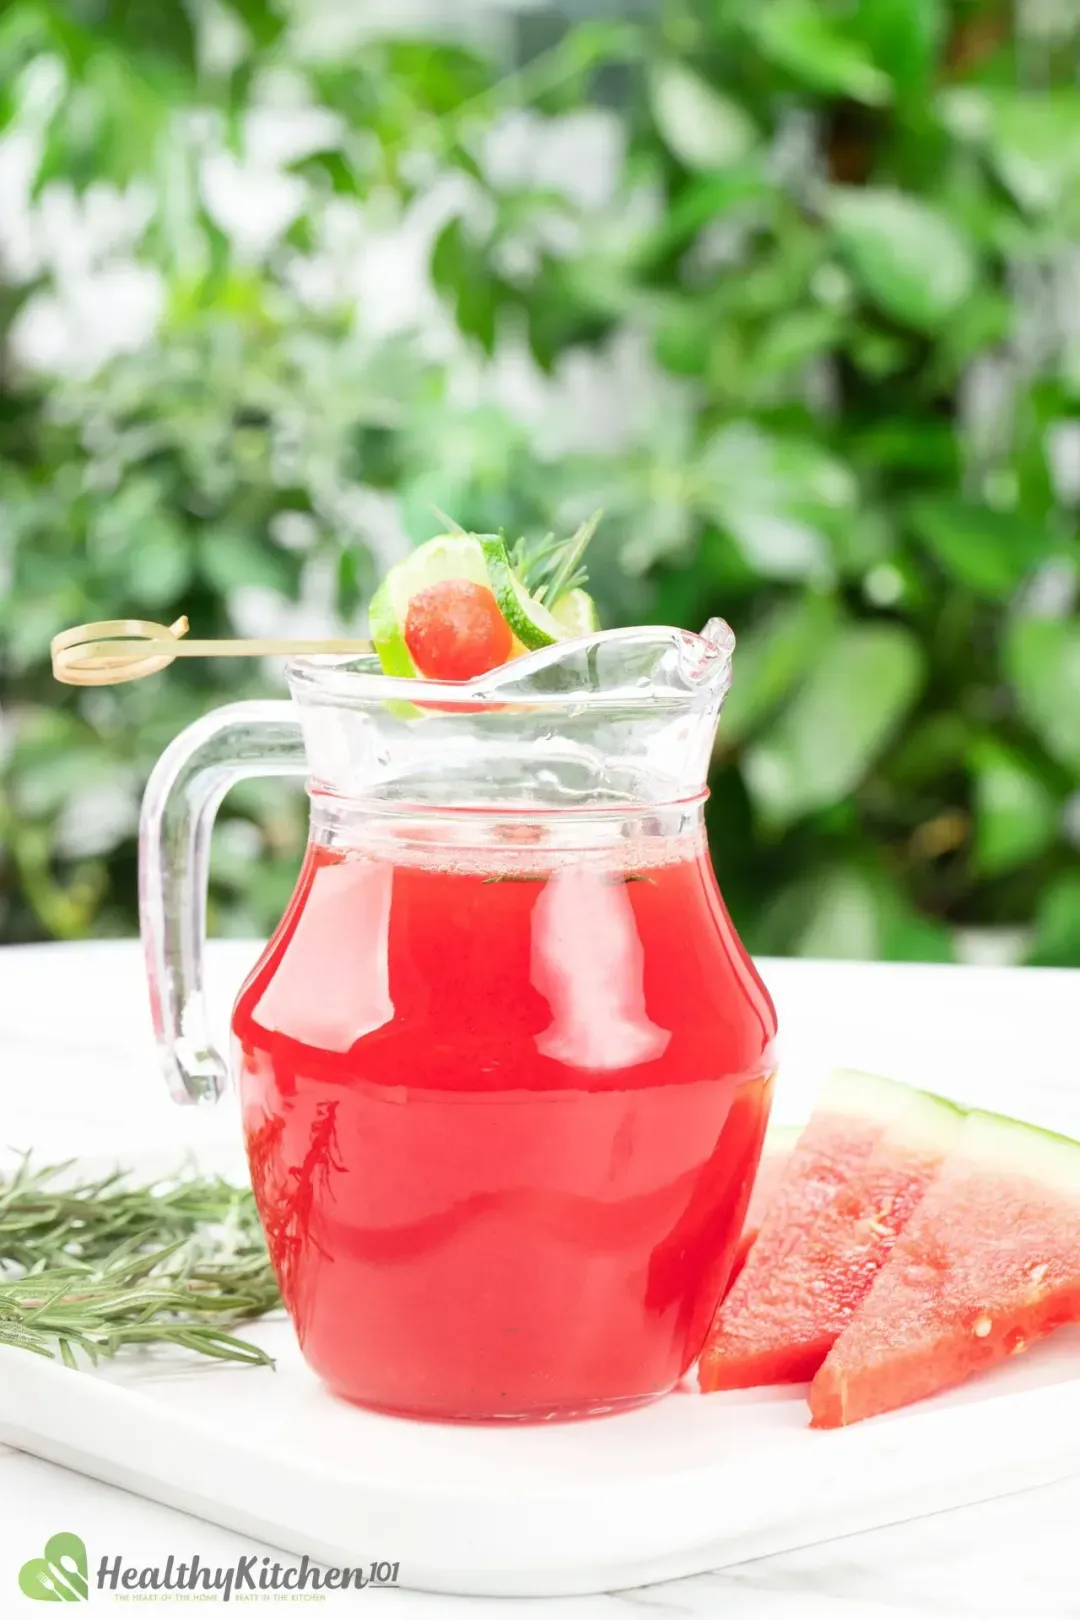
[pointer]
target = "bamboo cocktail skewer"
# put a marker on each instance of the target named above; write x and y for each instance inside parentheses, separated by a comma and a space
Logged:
(110, 651)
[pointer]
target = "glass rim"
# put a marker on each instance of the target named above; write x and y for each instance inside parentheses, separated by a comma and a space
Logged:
(518, 814)
(334, 677)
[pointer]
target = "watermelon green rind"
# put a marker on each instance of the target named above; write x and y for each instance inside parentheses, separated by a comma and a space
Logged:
(854, 1093)
(926, 1121)
(781, 1138)
(994, 1140)
(989, 1263)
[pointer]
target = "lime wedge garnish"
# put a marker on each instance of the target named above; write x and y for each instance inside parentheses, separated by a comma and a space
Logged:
(576, 614)
(483, 560)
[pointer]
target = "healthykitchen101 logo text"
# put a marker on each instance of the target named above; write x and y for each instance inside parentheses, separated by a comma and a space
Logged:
(62, 1575)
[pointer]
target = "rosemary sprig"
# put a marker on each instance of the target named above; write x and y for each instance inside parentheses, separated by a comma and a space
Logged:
(552, 567)
(99, 1265)
(548, 568)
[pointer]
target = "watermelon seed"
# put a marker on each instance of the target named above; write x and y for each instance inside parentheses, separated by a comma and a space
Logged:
(1037, 1273)
(982, 1327)
(880, 1230)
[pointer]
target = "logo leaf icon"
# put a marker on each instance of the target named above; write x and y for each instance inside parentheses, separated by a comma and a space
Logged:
(59, 1577)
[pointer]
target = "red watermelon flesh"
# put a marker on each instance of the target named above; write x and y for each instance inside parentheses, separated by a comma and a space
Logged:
(851, 1116)
(989, 1262)
(784, 1330)
(779, 1145)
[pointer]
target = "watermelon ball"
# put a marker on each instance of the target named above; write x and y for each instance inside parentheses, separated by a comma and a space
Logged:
(454, 630)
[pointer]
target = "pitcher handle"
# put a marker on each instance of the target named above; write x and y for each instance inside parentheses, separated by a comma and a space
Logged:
(182, 797)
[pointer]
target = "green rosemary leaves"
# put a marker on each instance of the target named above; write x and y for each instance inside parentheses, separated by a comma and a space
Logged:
(98, 1265)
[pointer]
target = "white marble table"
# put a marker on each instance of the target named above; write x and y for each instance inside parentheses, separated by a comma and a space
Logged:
(77, 1075)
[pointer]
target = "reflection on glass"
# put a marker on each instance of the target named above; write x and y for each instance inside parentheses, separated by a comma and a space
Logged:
(586, 953)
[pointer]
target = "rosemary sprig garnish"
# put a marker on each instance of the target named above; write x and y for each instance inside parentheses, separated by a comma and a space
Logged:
(99, 1265)
(552, 567)
(547, 568)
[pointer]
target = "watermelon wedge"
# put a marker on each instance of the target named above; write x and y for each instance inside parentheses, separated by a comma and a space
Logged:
(779, 1146)
(989, 1262)
(782, 1330)
(849, 1121)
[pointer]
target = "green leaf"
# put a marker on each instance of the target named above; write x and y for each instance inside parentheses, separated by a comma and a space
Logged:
(157, 565)
(736, 191)
(794, 338)
(352, 572)
(264, 22)
(460, 269)
(700, 125)
(844, 922)
(1042, 659)
(909, 444)
(825, 742)
(903, 37)
(140, 552)
(446, 487)
(879, 354)
(850, 910)
(148, 33)
(930, 751)
(681, 336)
(770, 658)
(1036, 146)
(778, 498)
(332, 170)
(52, 759)
(438, 76)
(1057, 924)
(1033, 138)
(908, 257)
(908, 936)
(1017, 816)
(229, 559)
(818, 51)
(986, 320)
(985, 551)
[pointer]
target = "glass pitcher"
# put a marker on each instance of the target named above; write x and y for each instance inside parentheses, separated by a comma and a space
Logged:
(504, 1067)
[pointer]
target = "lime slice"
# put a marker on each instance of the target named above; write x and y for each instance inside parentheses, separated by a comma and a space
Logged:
(448, 556)
(576, 614)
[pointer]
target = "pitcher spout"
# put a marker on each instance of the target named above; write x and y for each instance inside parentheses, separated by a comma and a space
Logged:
(706, 660)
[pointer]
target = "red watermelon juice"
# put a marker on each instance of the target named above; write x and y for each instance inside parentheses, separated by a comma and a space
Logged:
(503, 1109)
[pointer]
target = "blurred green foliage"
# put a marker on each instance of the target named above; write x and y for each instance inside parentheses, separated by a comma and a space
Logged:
(821, 281)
